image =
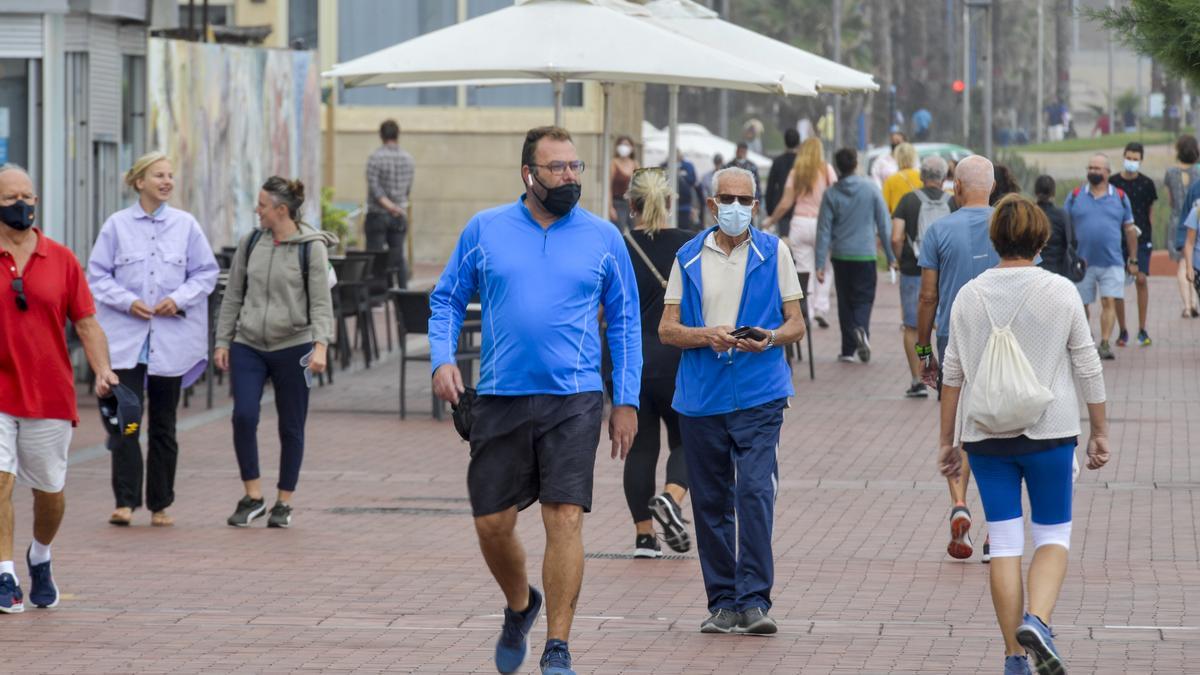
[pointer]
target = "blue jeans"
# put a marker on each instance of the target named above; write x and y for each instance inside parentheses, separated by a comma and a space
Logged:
(249, 369)
(734, 477)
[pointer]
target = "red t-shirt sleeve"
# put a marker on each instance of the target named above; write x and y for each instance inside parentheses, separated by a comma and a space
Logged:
(79, 303)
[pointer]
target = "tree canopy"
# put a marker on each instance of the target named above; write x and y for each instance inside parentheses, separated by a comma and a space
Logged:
(1166, 30)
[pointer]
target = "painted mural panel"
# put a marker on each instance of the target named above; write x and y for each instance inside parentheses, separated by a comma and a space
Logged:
(230, 117)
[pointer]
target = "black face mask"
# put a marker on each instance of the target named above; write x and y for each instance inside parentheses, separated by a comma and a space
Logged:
(1095, 178)
(18, 215)
(559, 200)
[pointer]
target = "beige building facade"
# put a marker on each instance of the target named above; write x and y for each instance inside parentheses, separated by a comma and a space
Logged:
(466, 142)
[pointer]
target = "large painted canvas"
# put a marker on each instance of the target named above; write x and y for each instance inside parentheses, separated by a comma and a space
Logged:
(230, 117)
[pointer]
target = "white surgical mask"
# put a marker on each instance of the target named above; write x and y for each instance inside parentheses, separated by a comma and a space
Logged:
(1132, 166)
(624, 150)
(733, 219)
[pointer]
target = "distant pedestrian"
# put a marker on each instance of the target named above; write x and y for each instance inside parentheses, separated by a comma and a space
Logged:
(544, 268)
(731, 391)
(1050, 332)
(390, 171)
(741, 160)
(687, 208)
(803, 190)
(1006, 184)
(954, 250)
(1142, 194)
(1179, 179)
(1062, 235)
(276, 323)
(781, 168)
(907, 177)
(37, 380)
(704, 187)
(911, 219)
(752, 133)
(922, 121)
(1056, 123)
(624, 163)
(852, 224)
(885, 165)
(151, 272)
(652, 245)
(1102, 216)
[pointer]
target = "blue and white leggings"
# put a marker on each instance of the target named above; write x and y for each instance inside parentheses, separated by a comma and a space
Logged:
(1048, 476)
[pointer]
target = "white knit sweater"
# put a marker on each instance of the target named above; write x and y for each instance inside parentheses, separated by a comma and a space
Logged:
(1052, 330)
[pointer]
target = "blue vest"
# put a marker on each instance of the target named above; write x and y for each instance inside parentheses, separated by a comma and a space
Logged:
(714, 384)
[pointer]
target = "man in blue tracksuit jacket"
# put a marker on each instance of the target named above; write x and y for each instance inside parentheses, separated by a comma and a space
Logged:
(732, 301)
(543, 269)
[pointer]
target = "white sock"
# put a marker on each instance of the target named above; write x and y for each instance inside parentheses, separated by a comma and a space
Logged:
(6, 567)
(38, 553)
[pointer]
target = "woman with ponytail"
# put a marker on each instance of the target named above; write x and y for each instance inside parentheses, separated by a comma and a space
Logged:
(652, 244)
(275, 323)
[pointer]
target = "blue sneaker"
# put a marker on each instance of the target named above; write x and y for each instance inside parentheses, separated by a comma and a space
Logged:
(513, 645)
(1034, 636)
(11, 599)
(556, 660)
(1016, 665)
(42, 591)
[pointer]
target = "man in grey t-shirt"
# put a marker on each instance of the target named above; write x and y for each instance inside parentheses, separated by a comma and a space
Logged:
(390, 172)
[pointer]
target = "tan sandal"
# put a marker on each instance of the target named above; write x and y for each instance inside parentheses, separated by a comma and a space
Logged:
(122, 516)
(161, 519)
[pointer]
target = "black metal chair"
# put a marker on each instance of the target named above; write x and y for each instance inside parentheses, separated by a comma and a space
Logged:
(377, 281)
(350, 301)
(812, 373)
(412, 318)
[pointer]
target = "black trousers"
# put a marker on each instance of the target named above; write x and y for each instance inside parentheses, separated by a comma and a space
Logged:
(654, 410)
(855, 284)
(159, 397)
(386, 232)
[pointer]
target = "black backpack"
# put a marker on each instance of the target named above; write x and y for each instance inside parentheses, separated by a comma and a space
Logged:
(305, 254)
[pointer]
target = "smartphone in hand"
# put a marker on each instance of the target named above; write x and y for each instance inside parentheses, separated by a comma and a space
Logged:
(749, 332)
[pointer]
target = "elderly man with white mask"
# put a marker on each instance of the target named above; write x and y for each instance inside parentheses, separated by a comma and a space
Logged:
(731, 303)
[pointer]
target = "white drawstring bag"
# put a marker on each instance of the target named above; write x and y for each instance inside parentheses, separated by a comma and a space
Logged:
(1006, 396)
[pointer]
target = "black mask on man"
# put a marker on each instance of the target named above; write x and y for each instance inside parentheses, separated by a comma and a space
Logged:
(1095, 178)
(559, 200)
(18, 215)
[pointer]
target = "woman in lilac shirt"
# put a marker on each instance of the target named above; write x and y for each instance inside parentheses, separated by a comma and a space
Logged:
(151, 273)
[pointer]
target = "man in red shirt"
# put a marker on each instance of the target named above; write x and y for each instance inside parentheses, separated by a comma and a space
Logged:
(41, 286)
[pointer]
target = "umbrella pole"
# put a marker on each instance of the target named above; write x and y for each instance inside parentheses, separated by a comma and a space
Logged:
(558, 101)
(673, 149)
(605, 155)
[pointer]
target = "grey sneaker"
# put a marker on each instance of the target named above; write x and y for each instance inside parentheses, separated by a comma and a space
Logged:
(918, 390)
(756, 622)
(721, 621)
(247, 511)
(281, 515)
(1105, 352)
(864, 345)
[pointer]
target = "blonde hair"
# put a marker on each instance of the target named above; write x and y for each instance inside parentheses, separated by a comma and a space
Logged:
(906, 156)
(648, 194)
(141, 166)
(809, 166)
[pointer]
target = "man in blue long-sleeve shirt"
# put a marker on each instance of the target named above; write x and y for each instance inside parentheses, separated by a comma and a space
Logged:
(543, 269)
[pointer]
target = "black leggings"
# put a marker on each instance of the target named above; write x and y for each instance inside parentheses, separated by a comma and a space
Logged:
(640, 465)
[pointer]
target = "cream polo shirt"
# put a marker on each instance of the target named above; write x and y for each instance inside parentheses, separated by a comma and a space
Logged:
(725, 277)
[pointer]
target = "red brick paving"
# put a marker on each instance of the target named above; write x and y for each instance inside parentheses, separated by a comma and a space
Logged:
(863, 583)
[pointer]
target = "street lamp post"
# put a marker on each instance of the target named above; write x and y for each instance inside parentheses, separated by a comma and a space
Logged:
(988, 73)
(1041, 70)
(837, 56)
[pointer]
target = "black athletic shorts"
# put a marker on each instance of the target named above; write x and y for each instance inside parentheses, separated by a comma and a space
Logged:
(533, 448)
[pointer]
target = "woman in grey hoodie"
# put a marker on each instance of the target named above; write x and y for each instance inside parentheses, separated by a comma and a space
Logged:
(276, 321)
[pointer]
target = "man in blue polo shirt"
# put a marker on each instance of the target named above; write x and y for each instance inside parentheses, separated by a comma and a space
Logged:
(955, 250)
(1101, 215)
(730, 391)
(543, 269)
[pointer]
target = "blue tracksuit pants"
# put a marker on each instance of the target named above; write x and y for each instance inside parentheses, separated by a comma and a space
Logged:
(734, 474)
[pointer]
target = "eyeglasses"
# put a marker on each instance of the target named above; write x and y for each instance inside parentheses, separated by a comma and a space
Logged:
(557, 168)
(744, 200)
(18, 285)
